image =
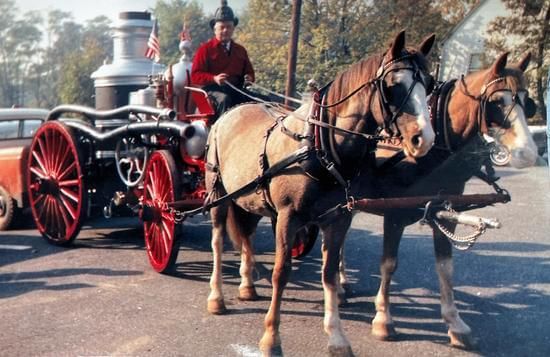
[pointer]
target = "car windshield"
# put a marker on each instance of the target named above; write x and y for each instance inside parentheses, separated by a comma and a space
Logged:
(29, 127)
(9, 129)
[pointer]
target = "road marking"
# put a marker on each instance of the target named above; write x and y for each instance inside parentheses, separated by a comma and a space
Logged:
(246, 351)
(15, 247)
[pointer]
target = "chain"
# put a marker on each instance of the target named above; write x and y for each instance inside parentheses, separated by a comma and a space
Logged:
(464, 242)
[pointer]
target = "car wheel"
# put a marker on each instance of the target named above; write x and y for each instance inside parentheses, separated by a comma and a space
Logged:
(7, 209)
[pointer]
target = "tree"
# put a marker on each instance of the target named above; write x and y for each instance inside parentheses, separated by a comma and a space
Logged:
(19, 41)
(171, 16)
(75, 82)
(529, 25)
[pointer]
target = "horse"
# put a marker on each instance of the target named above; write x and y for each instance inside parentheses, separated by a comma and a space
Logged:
(494, 100)
(249, 141)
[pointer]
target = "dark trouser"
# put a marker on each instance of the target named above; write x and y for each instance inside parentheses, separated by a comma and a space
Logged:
(224, 98)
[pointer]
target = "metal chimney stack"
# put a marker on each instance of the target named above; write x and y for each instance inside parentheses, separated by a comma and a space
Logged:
(130, 68)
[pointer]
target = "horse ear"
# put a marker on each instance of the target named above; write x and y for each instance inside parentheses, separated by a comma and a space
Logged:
(499, 65)
(524, 62)
(398, 45)
(427, 44)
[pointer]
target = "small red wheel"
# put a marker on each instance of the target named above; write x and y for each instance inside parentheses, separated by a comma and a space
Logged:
(160, 187)
(56, 189)
(304, 241)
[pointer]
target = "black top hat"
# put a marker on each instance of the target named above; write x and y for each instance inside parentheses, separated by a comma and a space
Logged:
(224, 13)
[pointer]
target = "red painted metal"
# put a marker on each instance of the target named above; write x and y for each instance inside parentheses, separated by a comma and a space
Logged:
(304, 241)
(57, 193)
(160, 187)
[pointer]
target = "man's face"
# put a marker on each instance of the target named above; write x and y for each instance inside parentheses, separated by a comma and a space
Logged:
(223, 30)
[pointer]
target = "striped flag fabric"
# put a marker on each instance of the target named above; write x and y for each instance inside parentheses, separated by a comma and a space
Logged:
(153, 44)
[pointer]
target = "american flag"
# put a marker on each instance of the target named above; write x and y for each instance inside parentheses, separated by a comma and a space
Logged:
(153, 45)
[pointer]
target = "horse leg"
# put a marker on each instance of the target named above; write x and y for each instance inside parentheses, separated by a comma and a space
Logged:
(383, 327)
(459, 332)
(342, 281)
(333, 239)
(215, 302)
(241, 227)
(285, 231)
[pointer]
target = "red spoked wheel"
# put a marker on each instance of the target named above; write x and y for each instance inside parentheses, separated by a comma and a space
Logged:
(56, 189)
(304, 241)
(161, 186)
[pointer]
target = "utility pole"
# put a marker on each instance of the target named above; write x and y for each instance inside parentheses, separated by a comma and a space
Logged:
(293, 50)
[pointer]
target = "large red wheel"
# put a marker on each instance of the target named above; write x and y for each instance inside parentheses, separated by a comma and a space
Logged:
(304, 241)
(56, 189)
(161, 186)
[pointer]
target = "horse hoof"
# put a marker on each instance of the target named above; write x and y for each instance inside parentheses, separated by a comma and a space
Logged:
(275, 351)
(463, 341)
(248, 294)
(340, 351)
(384, 332)
(216, 307)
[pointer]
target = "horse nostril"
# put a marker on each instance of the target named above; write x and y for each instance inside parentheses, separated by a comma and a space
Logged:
(417, 141)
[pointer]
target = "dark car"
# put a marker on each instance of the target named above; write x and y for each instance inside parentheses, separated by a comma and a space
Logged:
(17, 126)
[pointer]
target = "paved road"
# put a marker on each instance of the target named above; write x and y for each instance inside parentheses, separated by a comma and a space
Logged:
(101, 298)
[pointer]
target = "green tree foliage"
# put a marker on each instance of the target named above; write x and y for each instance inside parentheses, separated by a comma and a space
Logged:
(19, 41)
(171, 16)
(336, 33)
(75, 83)
(528, 28)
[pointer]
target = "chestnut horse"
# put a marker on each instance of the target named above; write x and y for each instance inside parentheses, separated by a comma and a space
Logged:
(379, 91)
(489, 100)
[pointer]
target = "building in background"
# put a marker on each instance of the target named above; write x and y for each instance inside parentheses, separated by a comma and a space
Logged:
(464, 46)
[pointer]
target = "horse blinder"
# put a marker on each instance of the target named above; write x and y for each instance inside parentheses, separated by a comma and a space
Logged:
(530, 108)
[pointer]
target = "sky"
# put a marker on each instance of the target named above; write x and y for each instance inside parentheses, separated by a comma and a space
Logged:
(83, 10)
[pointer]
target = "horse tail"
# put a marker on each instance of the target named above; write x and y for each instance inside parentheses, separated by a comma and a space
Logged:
(214, 186)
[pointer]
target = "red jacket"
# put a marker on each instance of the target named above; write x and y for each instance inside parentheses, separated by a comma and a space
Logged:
(212, 59)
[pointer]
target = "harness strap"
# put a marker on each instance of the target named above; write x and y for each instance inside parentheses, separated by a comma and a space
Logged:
(297, 156)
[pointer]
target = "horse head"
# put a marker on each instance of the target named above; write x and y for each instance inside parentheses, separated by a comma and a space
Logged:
(403, 83)
(503, 106)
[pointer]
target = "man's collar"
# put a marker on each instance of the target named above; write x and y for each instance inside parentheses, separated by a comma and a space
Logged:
(216, 42)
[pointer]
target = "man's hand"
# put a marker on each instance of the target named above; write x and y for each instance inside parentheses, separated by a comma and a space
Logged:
(220, 78)
(247, 80)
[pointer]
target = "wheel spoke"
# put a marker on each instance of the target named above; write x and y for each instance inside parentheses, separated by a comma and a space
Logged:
(38, 172)
(70, 194)
(68, 207)
(63, 210)
(67, 170)
(39, 161)
(75, 182)
(39, 198)
(161, 248)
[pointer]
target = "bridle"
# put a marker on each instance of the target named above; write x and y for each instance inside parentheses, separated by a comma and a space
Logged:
(487, 105)
(390, 112)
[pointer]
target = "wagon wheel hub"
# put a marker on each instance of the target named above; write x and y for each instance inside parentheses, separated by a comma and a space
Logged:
(48, 186)
(151, 212)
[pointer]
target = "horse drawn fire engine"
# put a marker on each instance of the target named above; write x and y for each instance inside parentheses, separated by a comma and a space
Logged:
(141, 147)
(140, 150)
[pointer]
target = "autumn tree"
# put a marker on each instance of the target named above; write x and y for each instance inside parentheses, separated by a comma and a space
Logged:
(75, 82)
(528, 25)
(171, 16)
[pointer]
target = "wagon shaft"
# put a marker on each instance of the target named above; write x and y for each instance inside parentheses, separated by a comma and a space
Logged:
(380, 205)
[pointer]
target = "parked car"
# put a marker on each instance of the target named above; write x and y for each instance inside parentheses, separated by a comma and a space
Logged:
(17, 126)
